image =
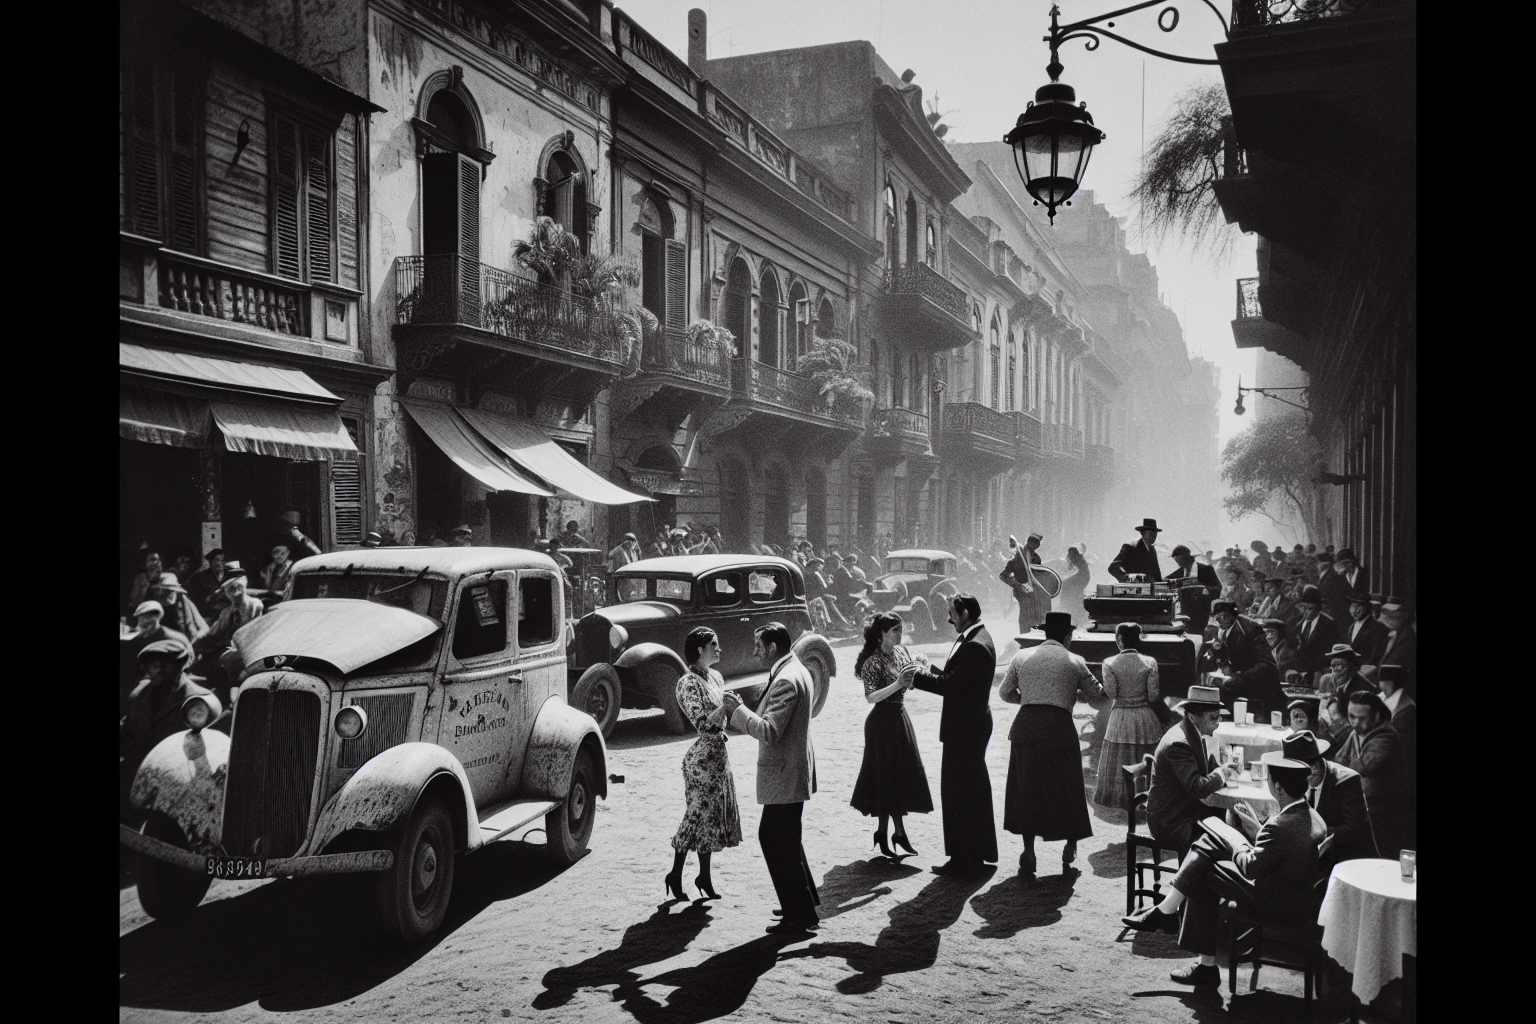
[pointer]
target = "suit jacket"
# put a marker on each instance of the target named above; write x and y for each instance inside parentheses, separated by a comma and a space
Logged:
(1403, 649)
(1341, 805)
(1362, 584)
(786, 761)
(1281, 607)
(965, 683)
(1183, 775)
(1204, 574)
(1282, 862)
(1336, 594)
(1367, 636)
(1378, 757)
(1135, 557)
(1254, 673)
(1312, 652)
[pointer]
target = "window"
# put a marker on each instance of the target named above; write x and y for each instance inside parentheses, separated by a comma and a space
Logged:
(1029, 358)
(915, 381)
(162, 126)
(663, 265)
(802, 310)
(674, 590)
(913, 256)
(630, 588)
(737, 306)
(768, 320)
(565, 195)
(535, 611)
(1013, 371)
(767, 586)
(892, 253)
(898, 382)
(722, 590)
(826, 324)
(933, 245)
(995, 365)
(303, 200)
(481, 627)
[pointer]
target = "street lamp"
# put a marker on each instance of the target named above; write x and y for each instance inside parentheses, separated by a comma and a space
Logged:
(1053, 139)
(1239, 409)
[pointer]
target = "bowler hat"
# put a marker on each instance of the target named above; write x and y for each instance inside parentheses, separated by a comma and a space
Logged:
(1057, 620)
(1277, 759)
(1311, 595)
(1345, 553)
(1276, 624)
(1303, 746)
(1344, 651)
(1201, 698)
(168, 649)
(1359, 598)
(1149, 524)
(149, 606)
(1217, 607)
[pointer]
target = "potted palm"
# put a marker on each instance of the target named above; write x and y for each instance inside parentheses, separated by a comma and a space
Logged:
(829, 363)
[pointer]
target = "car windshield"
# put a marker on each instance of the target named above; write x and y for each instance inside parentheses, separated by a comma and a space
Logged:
(419, 594)
(638, 588)
(907, 565)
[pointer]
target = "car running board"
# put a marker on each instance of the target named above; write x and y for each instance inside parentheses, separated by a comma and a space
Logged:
(510, 817)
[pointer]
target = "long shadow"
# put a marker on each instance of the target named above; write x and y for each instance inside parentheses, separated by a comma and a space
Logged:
(1262, 1007)
(659, 937)
(301, 944)
(910, 942)
(1017, 903)
(1108, 862)
(713, 988)
(851, 886)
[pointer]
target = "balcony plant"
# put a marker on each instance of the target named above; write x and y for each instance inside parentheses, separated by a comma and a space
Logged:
(714, 341)
(829, 364)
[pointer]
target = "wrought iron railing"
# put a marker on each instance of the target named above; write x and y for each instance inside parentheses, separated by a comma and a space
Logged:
(1258, 13)
(1030, 432)
(921, 279)
(1099, 456)
(975, 418)
(1248, 307)
(895, 422)
(669, 350)
(193, 286)
(1071, 440)
(786, 389)
(455, 290)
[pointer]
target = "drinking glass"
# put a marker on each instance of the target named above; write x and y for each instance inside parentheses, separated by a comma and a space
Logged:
(1408, 861)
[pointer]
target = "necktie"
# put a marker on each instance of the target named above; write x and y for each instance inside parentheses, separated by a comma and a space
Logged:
(1312, 797)
(1306, 634)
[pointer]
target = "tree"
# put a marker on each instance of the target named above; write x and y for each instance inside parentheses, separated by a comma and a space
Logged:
(1175, 189)
(1275, 459)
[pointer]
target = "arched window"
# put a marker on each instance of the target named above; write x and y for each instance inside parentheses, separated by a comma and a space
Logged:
(933, 246)
(1029, 358)
(768, 319)
(994, 364)
(565, 194)
(915, 382)
(736, 306)
(450, 204)
(826, 324)
(1013, 371)
(663, 268)
(800, 306)
(913, 256)
(892, 233)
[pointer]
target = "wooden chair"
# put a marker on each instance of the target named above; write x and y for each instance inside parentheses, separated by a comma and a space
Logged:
(1293, 942)
(1138, 777)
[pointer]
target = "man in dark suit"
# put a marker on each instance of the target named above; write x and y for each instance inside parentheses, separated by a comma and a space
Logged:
(1354, 575)
(1334, 589)
(1405, 721)
(1197, 598)
(965, 726)
(1034, 602)
(1183, 774)
(1315, 634)
(1375, 750)
(1274, 873)
(1338, 796)
(1362, 632)
(1140, 557)
(1402, 643)
(1245, 663)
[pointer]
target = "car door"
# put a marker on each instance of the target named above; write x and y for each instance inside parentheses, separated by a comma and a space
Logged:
(539, 672)
(722, 608)
(770, 595)
(483, 684)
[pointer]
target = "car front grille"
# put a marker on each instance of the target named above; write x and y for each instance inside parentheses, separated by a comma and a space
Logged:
(389, 721)
(273, 750)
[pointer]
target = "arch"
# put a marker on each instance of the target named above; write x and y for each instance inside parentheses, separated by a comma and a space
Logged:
(446, 84)
(736, 305)
(561, 187)
(655, 216)
(892, 231)
(768, 318)
(826, 320)
(800, 309)
(655, 224)
(1013, 371)
(913, 256)
(776, 495)
(932, 239)
(659, 456)
(995, 359)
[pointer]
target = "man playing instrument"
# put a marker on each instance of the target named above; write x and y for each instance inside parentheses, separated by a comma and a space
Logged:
(1028, 590)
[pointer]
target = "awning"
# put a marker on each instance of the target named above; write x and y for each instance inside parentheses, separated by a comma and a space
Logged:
(468, 451)
(533, 450)
(152, 365)
(287, 431)
(159, 418)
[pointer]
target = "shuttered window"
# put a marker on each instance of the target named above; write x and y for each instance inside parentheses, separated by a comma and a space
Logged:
(347, 492)
(677, 284)
(450, 195)
(162, 141)
(303, 200)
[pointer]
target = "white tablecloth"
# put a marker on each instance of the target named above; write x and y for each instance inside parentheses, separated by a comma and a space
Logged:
(1256, 793)
(1254, 739)
(1370, 920)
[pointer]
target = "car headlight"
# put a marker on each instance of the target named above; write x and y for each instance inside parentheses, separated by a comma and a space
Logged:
(618, 636)
(201, 710)
(350, 722)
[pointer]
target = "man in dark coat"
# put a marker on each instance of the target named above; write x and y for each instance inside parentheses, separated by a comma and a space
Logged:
(1354, 575)
(1199, 610)
(153, 708)
(1034, 602)
(1362, 632)
(1375, 750)
(1338, 796)
(965, 727)
(1315, 634)
(1402, 642)
(1335, 591)
(1245, 662)
(1140, 557)
(1184, 774)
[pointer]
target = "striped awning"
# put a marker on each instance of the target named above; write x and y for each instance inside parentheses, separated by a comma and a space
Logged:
(467, 450)
(531, 449)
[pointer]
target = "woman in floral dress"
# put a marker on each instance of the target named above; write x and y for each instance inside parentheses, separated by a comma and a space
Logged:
(891, 781)
(711, 821)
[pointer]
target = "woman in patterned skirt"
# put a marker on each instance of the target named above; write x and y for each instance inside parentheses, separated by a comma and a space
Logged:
(891, 781)
(1134, 729)
(711, 821)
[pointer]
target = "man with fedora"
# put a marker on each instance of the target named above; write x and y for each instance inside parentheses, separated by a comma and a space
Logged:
(1375, 750)
(242, 608)
(1342, 679)
(1184, 774)
(1195, 595)
(1275, 602)
(1276, 635)
(1337, 794)
(154, 707)
(1273, 874)
(1352, 572)
(1362, 632)
(1140, 557)
(203, 585)
(1034, 602)
(180, 613)
(1245, 665)
(1402, 647)
(1335, 590)
(1315, 633)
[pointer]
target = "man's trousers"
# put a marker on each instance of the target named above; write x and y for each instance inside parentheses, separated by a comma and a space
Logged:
(779, 835)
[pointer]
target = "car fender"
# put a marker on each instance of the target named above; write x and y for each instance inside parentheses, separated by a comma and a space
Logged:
(633, 659)
(559, 732)
(383, 792)
(183, 778)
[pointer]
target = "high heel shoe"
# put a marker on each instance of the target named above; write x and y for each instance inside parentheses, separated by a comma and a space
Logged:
(900, 839)
(675, 886)
(1027, 863)
(1068, 855)
(706, 888)
(880, 842)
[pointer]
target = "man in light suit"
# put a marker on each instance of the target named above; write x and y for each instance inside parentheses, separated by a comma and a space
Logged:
(786, 772)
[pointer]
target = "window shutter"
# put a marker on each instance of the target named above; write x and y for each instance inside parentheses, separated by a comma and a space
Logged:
(469, 239)
(181, 162)
(347, 502)
(677, 284)
(288, 258)
(318, 204)
(143, 164)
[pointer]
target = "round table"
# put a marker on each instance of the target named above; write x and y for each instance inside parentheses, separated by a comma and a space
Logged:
(1254, 739)
(1256, 793)
(1370, 920)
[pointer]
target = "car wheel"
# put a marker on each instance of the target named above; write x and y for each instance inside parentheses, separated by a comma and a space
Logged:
(597, 693)
(568, 828)
(921, 619)
(168, 892)
(816, 654)
(660, 680)
(412, 897)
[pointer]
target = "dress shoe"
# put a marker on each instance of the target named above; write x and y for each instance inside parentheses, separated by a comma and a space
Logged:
(706, 888)
(885, 851)
(793, 926)
(900, 839)
(1026, 863)
(1198, 974)
(675, 886)
(1068, 855)
(1150, 919)
(957, 867)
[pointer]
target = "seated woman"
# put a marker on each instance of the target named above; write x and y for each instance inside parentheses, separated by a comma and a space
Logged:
(1301, 716)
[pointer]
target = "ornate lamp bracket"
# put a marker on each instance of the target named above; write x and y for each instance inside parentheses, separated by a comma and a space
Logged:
(1088, 30)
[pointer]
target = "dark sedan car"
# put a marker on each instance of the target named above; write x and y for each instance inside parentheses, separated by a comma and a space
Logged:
(629, 653)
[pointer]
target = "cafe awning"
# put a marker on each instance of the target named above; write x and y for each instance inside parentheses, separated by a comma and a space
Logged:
(156, 417)
(212, 377)
(288, 432)
(468, 451)
(535, 451)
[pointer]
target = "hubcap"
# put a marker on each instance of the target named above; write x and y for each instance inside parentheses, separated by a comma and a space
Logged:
(597, 703)
(578, 803)
(426, 867)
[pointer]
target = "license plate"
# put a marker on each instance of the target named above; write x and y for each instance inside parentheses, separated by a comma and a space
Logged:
(237, 867)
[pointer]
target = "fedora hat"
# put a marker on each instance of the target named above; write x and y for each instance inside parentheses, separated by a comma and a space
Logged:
(1344, 651)
(1277, 759)
(1057, 620)
(1201, 698)
(1223, 605)
(1149, 524)
(232, 569)
(1276, 624)
(1394, 604)
(1304, 747)
(1392, 674)
(1311, 595)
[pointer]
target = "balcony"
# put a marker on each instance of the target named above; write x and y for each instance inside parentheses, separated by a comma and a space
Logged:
(1062, 440)
(897, 434)
(925, 311)
(984, 437)
(1100, 457)
(1250, 328)
(1031, 437)
(478, 324)
(677, 376)
(1262, 13)
(778, 407)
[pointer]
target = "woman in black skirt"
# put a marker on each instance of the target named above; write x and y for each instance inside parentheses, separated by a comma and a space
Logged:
(892, 781)
(1045, 770)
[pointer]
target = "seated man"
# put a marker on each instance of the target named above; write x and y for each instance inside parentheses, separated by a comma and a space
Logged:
(1343, 678)
(154, 708)
(1338, 796)
(1302, 715)
(1315, 634)
(1281, 647)
(1245, 666)
(1184, 774)
(1363, 632)
(1375, 750)
(1273, 874)
(151, 629)
(181, 614)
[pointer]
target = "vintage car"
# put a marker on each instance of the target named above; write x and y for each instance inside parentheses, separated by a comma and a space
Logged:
(629, 653)
(406, 705)
(916, 584)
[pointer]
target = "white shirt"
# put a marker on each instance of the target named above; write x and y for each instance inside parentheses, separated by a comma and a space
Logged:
(1392, 701)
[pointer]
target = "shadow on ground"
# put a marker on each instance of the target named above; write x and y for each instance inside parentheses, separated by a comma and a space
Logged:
(300, 944)
(659, 937)
(1021, 902)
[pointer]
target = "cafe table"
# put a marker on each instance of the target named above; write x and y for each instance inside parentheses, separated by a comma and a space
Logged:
(1245, 788)
(1370, 920)
(1256, 739)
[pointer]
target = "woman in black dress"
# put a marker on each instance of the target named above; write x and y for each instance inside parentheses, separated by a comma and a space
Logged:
(1073, 583)
(891, 781)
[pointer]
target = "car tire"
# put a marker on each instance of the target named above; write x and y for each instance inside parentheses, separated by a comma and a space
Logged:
(597, 693)
(568, 828)
(816, 654)
(922, 620)
(165, 891)
(412, 897)
(660, 680)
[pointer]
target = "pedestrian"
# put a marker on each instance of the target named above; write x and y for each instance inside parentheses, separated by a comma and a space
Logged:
(1033, 601)
(1197, 586)
(1335, 591)
(278, 573)
(1074, 584)
(786, 772)
(892, 781)
(1044, 797)
(203, 586)
(965, 728)
(1315, 635)
(1338, 797)
(1131, 680)
(1281, 648)
(138, 590)
(624, 552)
(1241, 662)
(1402, 642)
(296, 540)
(182, 567)
(711, 821)
(181, 614)
(153, 709)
